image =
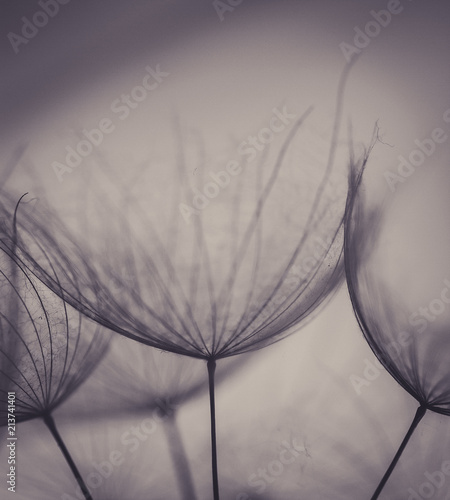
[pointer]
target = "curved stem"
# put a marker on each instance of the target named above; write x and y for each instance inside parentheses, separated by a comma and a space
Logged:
(417, 418)
(215, 479)
(179, 459)
(50, 423)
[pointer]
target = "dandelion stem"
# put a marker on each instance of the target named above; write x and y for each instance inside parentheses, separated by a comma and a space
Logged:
(215, 479)
(50, 423)
(417, 418)
(179, 459)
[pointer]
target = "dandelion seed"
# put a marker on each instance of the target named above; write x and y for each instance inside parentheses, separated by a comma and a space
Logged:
(258, 261)
(419, 363)
(47, 349)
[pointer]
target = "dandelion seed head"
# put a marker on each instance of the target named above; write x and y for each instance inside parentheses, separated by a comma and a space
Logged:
(46, 348)
(224, 281)
(415, 357)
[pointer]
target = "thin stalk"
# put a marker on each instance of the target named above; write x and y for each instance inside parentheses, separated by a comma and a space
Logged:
(417, 418)
(212, 405)
(179, 458)
(50, 423)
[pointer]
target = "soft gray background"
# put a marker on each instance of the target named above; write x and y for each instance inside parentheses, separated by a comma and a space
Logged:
(225, 77)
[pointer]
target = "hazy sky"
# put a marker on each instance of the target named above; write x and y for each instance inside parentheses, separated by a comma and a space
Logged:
(224, 75)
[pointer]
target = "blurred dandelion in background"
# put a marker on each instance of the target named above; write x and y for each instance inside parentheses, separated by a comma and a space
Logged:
(112, 470)
(137, 380)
